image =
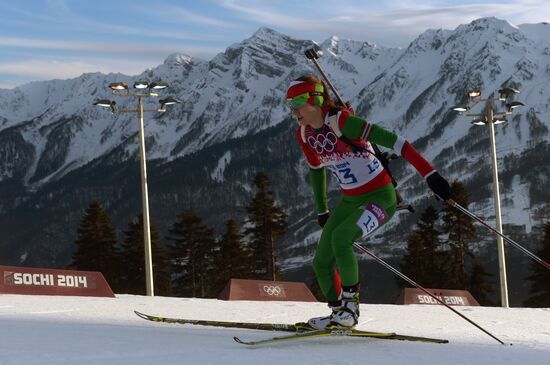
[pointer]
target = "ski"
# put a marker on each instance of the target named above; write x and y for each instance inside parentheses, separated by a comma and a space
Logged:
(310, 334)
(340, 332)
(296, 327)
(300, 330)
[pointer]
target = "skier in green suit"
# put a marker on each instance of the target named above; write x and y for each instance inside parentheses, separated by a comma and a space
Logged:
(334, 139)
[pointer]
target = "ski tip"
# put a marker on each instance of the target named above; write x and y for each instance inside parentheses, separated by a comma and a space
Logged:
(144, 316)
(238, 340)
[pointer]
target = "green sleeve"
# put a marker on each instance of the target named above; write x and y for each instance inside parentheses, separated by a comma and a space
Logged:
(355, 127)
(318, 179)
(382, 137)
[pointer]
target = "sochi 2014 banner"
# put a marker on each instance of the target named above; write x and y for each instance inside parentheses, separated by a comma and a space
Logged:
(447, 296)
(25, 280)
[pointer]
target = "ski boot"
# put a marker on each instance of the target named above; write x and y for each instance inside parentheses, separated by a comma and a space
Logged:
(345, 311)
(320, 323)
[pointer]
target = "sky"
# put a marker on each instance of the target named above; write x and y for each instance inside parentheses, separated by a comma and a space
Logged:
(60, 39)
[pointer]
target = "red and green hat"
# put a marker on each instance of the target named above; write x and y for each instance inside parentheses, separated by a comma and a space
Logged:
(301, 92)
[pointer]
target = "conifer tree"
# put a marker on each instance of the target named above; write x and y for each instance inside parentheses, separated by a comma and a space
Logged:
(132, 270)
(424, 259)
(192, 256)
(463, 269)
(540, 276)
(96, 244)
(461, 232)
(233, 259)
(479, 285)
(266, 224)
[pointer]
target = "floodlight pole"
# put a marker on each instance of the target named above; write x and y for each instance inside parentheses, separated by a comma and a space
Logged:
(120, 86)
(145, 204)
(488, 118)
(496, 196)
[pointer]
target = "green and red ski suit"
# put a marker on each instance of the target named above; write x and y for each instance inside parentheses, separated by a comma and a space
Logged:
(369, 199)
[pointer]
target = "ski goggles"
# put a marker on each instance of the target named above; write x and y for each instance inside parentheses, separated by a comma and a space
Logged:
(298, 101)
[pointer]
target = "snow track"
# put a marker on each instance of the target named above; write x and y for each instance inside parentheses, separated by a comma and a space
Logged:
(51, 330)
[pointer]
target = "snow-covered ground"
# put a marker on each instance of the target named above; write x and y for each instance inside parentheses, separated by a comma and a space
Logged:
(80, 330)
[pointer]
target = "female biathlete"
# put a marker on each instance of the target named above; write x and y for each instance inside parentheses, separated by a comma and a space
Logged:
(333, 138)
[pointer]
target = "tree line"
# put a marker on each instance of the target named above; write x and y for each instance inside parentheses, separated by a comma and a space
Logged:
(441, 254)
(192, 262)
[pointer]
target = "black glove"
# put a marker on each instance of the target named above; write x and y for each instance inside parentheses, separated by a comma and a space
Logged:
(439, 186)
(323, 218)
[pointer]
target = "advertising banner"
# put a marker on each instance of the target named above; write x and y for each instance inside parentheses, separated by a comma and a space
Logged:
(26, 280)
(447, 296)
(241, 289)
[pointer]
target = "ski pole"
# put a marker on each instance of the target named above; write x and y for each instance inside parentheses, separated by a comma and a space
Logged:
(412, 282)
(452, 203)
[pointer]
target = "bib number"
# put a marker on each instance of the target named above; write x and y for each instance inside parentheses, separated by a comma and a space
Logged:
(342, 172)
(372, 218)
(344, 176)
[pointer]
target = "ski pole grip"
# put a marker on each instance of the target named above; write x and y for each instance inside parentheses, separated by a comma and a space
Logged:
(311, 54)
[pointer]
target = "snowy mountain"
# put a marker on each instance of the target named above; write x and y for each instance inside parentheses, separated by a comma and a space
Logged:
(50, 330)
(58, 151)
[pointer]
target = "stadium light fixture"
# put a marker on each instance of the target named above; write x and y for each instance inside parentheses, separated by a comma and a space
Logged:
(514, 104)
(474, 93)
(461, 108)
(158, 85)
(490, 117)
(118, 86)
(505, 93)
(479, 121)
(141, 84)
(139, 95)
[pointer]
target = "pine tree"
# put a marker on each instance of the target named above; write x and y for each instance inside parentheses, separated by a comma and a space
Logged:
(266, 223)
(233, 259)
(540, 276)
(424, 260)
(461, 233)
(479, 286)
(132, 253)
(96, 245)
(192, 256)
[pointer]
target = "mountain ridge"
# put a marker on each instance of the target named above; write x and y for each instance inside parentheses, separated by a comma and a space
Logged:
(53, 140)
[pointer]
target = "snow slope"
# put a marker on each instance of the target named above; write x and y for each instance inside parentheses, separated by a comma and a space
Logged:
(77, 330)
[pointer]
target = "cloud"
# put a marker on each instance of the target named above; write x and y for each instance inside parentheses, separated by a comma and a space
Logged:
(46, 69)
(129, 59)
(58, 16)
(394, 23)
(131, 47)
(181, 15)
(10, 84)
(56, 69)
(258, 12)
(126, 49)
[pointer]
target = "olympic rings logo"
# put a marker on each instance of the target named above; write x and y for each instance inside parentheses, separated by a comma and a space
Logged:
(272, 290)
(323, 142)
